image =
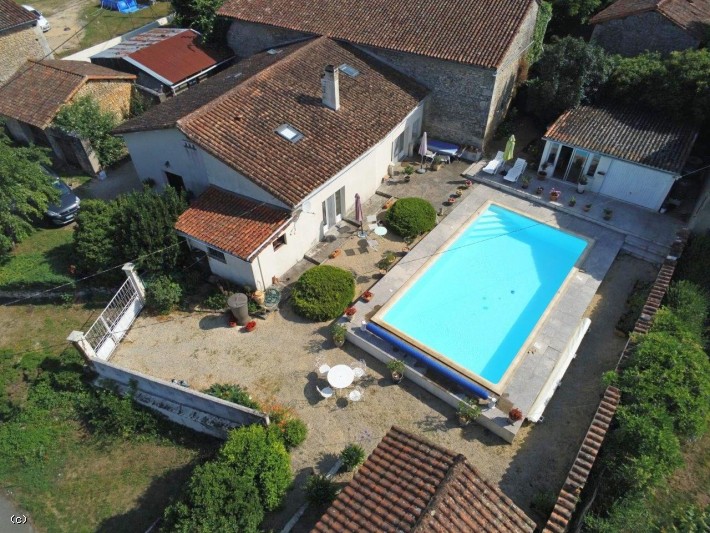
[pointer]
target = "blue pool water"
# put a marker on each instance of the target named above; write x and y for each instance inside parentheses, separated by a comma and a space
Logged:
(478, 302)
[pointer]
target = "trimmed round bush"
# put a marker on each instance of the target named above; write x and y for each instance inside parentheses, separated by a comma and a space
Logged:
(320, 490)
(323, 293)
(162, 295)
(293, 432)
(410, 217)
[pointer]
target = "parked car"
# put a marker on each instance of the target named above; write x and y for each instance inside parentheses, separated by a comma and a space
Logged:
(41, 21)
(67, 208)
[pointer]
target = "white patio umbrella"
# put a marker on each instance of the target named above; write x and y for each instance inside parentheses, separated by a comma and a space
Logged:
(358, 213)
(423, 148)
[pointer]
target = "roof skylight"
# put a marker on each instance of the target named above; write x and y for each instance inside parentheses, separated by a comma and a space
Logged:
(349, 70)
(289, 133)
(273, 51)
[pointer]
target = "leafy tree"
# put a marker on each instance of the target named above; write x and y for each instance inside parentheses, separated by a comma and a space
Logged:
(692, 265)
(543, 18)
(25, 191)
(569, 72)
(218, 497)
(201, 15)
(140, 224)
(84, 117)
(261, 456)
(677, 85)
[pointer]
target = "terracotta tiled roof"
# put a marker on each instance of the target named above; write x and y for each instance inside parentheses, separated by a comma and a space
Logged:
(13, 15)
(239, 128)
(169, 112)
(476, 32)
(231, 223)
(411, 484)
(626, 133)
(40, 88)
(178, 57)
(693, 16)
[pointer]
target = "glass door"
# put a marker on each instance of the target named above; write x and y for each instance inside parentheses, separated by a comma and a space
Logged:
(577, 165)
(333, 209)
(562, 162)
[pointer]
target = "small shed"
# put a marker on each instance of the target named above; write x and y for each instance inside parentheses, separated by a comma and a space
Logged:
(623, 152)
(166, 61)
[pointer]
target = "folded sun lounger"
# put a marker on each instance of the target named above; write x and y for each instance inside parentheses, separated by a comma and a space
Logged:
(515, 172)
(494, 164)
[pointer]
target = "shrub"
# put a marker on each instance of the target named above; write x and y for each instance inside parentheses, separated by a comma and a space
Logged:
(217, 497)
(410, 217)
(352, 456)
(162, 295)
(232, 393)
(320, 490)
(293, 433)
(689, 304)
(216, 301)
(692, 265)
(261, 456)
(323, 292)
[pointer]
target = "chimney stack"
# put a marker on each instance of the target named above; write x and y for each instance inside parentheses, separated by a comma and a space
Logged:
(331, 88)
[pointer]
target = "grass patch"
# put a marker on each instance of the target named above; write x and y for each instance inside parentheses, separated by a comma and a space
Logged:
(42, 260)
(107, 24)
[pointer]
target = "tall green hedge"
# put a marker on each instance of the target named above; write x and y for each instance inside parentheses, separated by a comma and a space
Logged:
(410, 217)
(323, 292)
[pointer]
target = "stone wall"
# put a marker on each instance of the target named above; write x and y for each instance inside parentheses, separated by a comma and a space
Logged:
(647, 31)
(248, 38)
(17, 46)
(114, 96)
(514, 63)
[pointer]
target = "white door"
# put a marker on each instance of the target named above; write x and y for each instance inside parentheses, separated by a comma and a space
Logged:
(333, 209)
(399, 148)
(635, 184)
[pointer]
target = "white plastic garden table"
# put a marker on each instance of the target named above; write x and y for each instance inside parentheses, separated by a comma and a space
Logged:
(340, 376)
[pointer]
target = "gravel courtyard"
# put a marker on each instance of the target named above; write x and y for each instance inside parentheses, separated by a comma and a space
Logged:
(276, 362)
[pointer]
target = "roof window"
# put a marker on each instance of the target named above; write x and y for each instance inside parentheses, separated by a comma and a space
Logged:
(349, 70)
(273, 51)
(289, 133)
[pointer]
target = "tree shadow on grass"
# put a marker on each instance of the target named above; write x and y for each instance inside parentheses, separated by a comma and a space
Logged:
(151, 504)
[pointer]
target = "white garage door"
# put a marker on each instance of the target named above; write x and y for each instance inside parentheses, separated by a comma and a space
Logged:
(637, 185)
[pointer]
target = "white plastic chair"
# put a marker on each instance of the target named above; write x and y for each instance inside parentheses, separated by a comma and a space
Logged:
(494, 164)
(359, 369)
(325, 392)
(372, 243)
(356, 394)
(323, 369)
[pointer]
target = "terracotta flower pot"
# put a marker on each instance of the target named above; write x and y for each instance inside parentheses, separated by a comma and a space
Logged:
(397, 377)
(251, 326)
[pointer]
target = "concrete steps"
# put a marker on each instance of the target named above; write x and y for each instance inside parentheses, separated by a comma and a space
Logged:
(645, 249)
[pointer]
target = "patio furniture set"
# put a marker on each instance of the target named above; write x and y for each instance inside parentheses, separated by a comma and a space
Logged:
(340, 377)
(374, 227)
(512, 175)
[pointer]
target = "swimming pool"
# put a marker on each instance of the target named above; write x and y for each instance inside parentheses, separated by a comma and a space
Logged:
(476, 302)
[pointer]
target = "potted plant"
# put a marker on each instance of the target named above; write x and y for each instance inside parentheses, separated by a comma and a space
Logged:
(458, 193)
(338, 332)
(587, 207)
(542, 173)
(468, 183)
(539, 191)
(572, 201)
(408, 171)
(251, 326)
(388, 259)
(367, 296)
(436, 163)
(335, 253)
(396, 368)
(514, 415)
(607, 213)
(525, 183)
(581, 184)
(554, 194)
(452, 199)
(467, 411)
(349, 312)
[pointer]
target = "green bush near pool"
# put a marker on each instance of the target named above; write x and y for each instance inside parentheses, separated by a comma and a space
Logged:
(410, 217)
(323, 292)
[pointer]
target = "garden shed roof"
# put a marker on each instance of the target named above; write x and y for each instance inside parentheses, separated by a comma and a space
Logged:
(13, 15)
(411, 484)
(626, 133)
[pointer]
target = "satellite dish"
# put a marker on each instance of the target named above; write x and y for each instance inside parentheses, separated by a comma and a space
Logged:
(307, 207)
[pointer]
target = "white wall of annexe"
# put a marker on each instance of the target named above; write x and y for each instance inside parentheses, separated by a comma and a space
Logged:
(198, 169)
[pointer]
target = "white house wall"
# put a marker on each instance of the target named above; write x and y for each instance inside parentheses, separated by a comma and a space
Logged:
(636, 184)
(234, 269)
(150, 150)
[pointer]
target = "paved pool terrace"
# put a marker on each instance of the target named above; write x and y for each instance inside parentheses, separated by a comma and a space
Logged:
(554, 333)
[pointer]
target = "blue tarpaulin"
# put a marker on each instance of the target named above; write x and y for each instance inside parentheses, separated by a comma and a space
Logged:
(123, 6)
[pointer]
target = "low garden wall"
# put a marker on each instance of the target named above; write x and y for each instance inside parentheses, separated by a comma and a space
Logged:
(195, 410)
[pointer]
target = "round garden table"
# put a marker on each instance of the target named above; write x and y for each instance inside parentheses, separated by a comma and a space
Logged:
(381, 231)
(340, 376)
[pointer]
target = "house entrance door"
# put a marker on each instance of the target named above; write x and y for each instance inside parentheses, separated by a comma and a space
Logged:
(562, 162)
(333, 209)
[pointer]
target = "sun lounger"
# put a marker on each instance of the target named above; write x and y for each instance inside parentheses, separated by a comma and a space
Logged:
(494, 164)
(515, 172)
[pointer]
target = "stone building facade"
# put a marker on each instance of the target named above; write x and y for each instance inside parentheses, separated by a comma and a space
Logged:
(638, 33)
(17, 45)
(114, 96)
(467, 102)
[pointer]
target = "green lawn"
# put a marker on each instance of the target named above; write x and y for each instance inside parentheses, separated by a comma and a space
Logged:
(40, 261)
(106, 24)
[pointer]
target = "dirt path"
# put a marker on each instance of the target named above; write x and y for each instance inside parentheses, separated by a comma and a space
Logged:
(66, 20)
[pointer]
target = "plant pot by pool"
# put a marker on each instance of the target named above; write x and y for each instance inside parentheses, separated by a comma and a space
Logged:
(367, 296)
(251, 326)
(396, 368)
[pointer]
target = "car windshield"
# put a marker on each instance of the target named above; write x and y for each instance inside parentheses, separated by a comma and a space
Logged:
(62, 187)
